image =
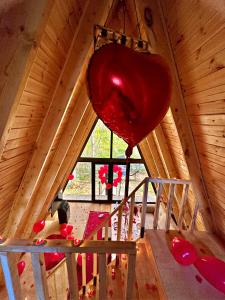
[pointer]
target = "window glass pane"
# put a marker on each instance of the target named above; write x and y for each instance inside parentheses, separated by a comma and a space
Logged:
(137, 174)
(98, 144)
(80, 187)
(119, 177)
(119, 148)
(101, 179)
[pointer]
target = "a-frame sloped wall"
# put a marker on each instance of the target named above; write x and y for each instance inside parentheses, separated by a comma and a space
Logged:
(33, 53)
(157, 33)
(165, 160)
(196, 30)
(62, 103)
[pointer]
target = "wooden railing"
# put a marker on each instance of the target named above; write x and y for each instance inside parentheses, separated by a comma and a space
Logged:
(9, 248)
(164, 187)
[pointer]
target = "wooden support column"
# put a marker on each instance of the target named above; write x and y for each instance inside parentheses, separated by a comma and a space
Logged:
(94, 12)
(159, 39)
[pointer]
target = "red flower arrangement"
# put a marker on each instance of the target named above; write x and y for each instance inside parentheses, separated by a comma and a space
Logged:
(103, 172)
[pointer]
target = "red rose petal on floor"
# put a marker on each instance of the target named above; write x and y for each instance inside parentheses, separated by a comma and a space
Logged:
(198, 278)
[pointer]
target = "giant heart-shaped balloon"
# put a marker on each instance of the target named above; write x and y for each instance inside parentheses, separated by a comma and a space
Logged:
(130, 91)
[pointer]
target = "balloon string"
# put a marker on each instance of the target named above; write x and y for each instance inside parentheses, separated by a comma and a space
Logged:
(124, 16)
(128, 154)
(138, 23)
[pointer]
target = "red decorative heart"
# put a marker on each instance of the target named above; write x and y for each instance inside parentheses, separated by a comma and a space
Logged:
(130, 91)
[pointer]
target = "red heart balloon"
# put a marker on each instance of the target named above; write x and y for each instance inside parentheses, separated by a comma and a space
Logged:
(130, 91)
(52, 259)
(21, 266)
(39, 226)
(213, 269)
(183, 251)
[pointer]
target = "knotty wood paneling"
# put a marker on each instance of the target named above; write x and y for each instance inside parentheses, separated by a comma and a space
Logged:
(196, 30)
(36, 97)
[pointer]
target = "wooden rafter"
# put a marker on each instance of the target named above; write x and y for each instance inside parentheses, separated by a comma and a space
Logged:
(29, 21)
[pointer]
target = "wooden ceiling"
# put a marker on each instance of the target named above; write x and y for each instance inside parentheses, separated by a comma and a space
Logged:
(46, 114)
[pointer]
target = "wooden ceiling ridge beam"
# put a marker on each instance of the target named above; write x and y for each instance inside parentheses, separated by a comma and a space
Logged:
(94, 12)
(19, 57)
(160, 42)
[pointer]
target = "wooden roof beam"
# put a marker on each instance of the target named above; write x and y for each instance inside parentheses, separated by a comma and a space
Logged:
(18, 48)
(94, 12)
(160, 43)
(72, 139)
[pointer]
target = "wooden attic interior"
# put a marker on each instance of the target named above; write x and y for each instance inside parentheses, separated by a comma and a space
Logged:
(46, 115)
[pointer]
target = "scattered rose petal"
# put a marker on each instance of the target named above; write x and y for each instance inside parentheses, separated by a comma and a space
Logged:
(136, 285)
(110, 292)
(198, 278)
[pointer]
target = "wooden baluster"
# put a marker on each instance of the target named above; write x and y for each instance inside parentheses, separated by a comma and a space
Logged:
(131, 216)
(130, 277)
(84, 275)
(12, 280)
(157, 205)
(106, 231)
(102, 277)
(72, 276)
(95, 261)
(38, 265)
(194, 218)
(169, 206)
(119, 225)
(144, 206)
(182, 205)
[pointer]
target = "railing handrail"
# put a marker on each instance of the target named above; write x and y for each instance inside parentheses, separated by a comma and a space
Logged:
(65, 246)
(144, 181)
(168, 180)
(107, 219)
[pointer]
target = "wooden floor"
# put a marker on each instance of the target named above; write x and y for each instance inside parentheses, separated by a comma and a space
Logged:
(183, 282)
(158, 276)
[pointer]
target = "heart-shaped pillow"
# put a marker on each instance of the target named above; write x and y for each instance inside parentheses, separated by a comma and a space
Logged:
(129, 91)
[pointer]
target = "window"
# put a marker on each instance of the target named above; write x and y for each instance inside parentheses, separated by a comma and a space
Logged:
(105, 150)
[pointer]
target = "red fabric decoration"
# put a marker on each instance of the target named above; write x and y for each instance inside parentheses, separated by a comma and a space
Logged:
(39, 226)
(130, 91)
(21, 266)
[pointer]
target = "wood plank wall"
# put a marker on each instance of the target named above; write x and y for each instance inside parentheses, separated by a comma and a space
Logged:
(196, 30)
(35, 99)
(170, 164)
